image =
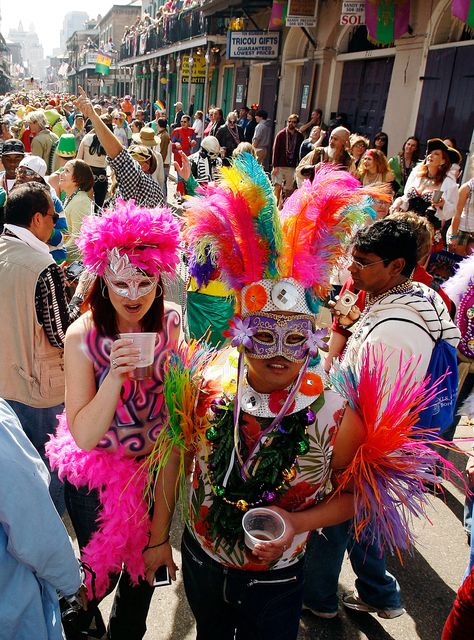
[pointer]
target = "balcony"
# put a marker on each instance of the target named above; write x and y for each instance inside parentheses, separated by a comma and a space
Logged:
(172, 29)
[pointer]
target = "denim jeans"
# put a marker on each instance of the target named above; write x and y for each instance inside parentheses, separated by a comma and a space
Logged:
(39, 424)
(131, 602)
(324, 556)
(233, 604)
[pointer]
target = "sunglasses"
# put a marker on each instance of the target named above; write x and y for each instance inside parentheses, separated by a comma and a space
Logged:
(54, 216)
(26, 171)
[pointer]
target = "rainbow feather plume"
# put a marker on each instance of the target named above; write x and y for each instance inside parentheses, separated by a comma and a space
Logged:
(316, 219)
(226, 225)
(390, 468)
(188, 397)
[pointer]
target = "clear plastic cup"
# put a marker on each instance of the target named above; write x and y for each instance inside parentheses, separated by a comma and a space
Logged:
(262, 525)
(146, 343)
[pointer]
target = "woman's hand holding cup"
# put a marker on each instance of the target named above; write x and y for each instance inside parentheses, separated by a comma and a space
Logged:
(124, 357)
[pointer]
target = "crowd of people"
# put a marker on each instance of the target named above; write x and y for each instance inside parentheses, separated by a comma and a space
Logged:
(307, 378)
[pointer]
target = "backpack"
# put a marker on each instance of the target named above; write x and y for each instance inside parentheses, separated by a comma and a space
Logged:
(440, 414)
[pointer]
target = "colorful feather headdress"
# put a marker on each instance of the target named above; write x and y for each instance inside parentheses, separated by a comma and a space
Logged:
(277, 261)
(147, 239)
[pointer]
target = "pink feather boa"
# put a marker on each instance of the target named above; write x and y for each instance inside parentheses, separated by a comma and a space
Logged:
(123, 521)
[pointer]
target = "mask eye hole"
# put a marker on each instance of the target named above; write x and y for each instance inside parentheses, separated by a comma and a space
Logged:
(121, 285)
(294, 339)
(264, 337)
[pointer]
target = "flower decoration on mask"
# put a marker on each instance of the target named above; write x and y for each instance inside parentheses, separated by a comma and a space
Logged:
(316, 340)
(241, 333)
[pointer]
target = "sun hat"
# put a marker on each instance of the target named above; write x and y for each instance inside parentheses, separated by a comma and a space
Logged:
(146, 137)
(434, 144)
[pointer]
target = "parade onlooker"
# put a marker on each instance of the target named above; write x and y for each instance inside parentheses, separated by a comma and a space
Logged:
(461, 237)
(120, 132)
(136, 126)
(380, 142)
(316, 120)
(13, 153)
(358, 145)
(315, 139)
(206, 162)
(179, 113)
(286, 152)
(374, 171)
(146, 137)
(183, 139)
(165, 149)
(34, 318)
(335, 153)
(262, 137)
(94, 154)
(249, 130)
(134, 170)
(210, 121)
(402, 164)
(37, 561)
(230, 135)
(78, 130)
(76, 182)
(127, 108)
(198, 126)
(217, 121)
(43, 138)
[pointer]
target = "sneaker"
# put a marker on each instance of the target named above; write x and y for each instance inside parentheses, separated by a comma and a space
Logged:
(352, 601)
(327, 615)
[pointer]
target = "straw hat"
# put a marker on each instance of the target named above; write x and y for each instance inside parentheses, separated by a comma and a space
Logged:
(147, 137)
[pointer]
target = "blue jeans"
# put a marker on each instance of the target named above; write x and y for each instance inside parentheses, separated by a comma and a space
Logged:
(39, 424)
(324, 556)
(231, 604)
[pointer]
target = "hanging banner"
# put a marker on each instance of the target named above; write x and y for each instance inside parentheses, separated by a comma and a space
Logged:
(260, 45)
(352, 13)
(301, 13)
(278, 15)
(102, 63)
(198, 74)
(386, 20)
(464, 11)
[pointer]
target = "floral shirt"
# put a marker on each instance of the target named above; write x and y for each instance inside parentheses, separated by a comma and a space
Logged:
(141, 410)
(310, 485)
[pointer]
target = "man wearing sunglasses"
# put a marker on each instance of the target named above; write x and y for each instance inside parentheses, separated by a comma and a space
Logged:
(34, 316)
(405, 319)
(133, 169)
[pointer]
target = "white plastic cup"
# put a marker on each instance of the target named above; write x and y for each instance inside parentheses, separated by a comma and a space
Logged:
(262, 525)
(146, 343)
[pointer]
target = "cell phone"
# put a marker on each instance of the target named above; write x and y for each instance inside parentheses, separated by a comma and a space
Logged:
(345, 302)
(437, 195)
(162, 577)
(74, 270)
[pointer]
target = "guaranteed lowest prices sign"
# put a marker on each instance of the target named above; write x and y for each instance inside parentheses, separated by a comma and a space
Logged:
(254, 45)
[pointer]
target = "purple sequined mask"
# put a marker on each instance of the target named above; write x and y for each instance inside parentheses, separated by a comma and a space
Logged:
(278, 335)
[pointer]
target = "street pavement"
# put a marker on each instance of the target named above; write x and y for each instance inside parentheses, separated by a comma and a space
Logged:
(429, 579)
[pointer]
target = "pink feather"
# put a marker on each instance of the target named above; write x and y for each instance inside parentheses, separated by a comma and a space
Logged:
(123, 520)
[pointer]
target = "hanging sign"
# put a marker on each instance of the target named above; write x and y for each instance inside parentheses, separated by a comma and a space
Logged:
(260, 45)
(352, 13)
(301, 13)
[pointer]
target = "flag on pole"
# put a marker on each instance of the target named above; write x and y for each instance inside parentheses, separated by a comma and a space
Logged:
(159, 106)
(386, 20)
(278, 15)
(464, 11)
(102, 63)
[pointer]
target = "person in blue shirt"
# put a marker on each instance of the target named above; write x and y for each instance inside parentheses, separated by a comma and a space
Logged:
(37, 560)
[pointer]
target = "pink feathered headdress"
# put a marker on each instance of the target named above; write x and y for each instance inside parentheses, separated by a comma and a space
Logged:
(149, 237)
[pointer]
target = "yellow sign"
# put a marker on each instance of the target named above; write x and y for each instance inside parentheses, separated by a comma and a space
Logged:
(198, 74)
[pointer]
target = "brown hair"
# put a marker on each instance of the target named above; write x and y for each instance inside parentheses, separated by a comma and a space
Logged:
(82, 175)
(104, 314)
(442, 171)
(380, 159)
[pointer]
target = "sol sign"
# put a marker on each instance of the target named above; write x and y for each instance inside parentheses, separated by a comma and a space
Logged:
(353, 13)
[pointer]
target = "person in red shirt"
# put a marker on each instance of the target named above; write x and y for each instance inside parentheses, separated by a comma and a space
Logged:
(183, 139)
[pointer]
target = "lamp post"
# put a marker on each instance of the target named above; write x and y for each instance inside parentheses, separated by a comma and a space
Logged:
(191, 65)
(168, 67)
(207, 59)
(178, 79)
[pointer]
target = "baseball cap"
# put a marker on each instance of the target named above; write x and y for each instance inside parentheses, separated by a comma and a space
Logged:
(13, 146)
(35, 163)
